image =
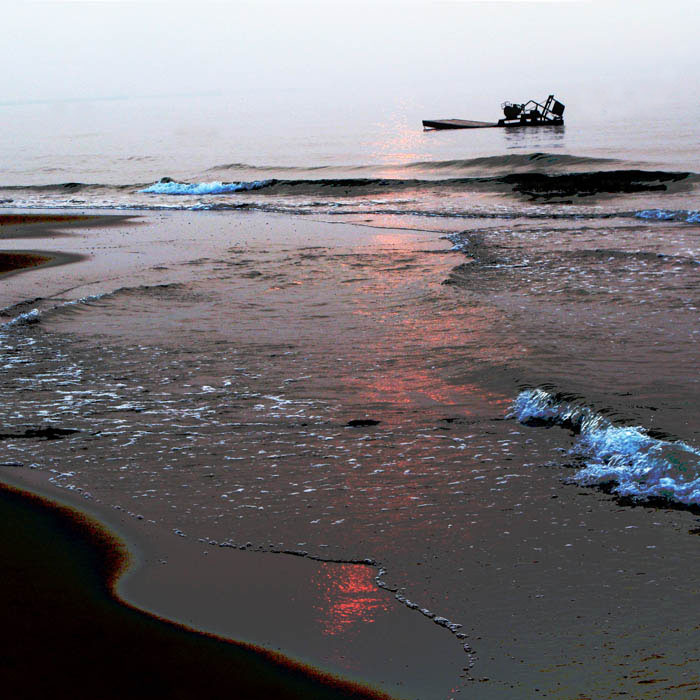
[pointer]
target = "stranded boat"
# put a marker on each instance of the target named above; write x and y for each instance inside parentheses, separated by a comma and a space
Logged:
(530, 113)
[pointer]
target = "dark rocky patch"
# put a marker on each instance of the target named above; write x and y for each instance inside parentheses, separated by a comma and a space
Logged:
(48, 432)
(541, 186)
(362, 422)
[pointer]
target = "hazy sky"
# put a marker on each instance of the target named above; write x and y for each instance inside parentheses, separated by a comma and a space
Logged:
(84, 49)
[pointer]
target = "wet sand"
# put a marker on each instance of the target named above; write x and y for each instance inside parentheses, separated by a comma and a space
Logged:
(258, 599)
(43, 225)
(268, 604)
(68, 636)
(25, 219)
(560, 590)
(25, 260)
(9, 262)
(46, 226)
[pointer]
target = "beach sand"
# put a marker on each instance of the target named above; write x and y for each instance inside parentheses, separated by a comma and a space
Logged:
(72, 638)
(561, 591)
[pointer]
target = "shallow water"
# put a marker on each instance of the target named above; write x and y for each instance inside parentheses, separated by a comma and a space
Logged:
(213, 395)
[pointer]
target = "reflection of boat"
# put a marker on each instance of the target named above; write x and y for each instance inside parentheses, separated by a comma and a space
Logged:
(530, 113)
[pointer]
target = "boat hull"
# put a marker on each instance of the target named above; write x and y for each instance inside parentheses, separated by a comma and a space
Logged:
(456, 124)
(442, 124)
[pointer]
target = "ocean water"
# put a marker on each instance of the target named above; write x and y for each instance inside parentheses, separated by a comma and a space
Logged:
(517, 308)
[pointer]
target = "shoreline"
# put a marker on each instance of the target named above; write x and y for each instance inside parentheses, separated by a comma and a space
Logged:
(252, 600)
(181, 660)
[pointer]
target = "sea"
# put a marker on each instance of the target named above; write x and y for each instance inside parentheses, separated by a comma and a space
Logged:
(469, 357)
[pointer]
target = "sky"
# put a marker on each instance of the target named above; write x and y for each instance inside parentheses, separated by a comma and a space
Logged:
(86, 49)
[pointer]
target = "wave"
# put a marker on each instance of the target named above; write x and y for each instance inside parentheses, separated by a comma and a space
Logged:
(687, 215)
(587, 184)
(284, 168)
(486, 164)
(638, 465)
(170, 187)
(35, 315)
(532, 185)
(535, 185)
(538, 161)
(23, 319)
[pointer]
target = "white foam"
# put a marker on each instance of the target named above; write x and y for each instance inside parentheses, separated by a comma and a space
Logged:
(34, 315)
(687, 215)
(23, 319)
(202, 188)
(641, 466)
(86, 299)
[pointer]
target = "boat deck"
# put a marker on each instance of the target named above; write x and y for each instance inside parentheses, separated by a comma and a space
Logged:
(456, 124)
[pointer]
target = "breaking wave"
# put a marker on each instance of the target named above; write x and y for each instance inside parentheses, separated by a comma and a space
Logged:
(532, 184)
(23, 319)
(687, 215)
(35, 315)
(640, 466)
(422, 188)
(535, 185)
(167, 186)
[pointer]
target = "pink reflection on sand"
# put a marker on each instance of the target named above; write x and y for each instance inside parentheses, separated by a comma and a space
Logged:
(348, 596)
(421, 389)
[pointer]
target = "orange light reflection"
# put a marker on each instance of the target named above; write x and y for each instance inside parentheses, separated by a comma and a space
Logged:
(349, 597)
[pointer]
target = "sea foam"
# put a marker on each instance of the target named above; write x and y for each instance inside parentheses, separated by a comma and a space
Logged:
(22, 319)
(640, 466)
(166, 186)
(687, 215)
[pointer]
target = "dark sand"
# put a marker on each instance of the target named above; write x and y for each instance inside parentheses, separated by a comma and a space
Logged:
(67, 635)
(25, 219)
(12, 263)
(20, 226)
(9, 262)
(42, 225)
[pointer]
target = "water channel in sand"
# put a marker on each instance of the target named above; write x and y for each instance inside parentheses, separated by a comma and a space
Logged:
(211, 395)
